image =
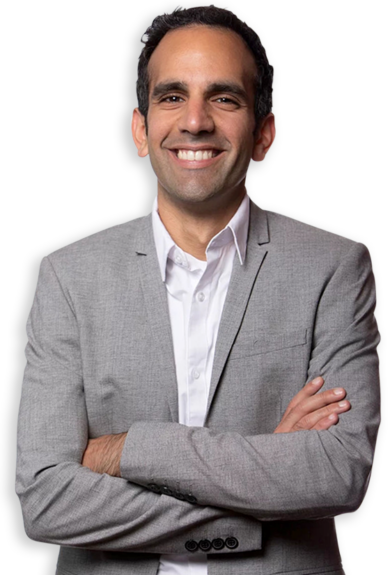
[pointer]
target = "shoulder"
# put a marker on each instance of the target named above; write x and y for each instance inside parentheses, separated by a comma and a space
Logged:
(97, 254)
(305, 247)
(299, 237)
(284, 229)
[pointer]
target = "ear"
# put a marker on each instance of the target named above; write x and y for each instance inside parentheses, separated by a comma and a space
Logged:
(138, 129)
(265, 135)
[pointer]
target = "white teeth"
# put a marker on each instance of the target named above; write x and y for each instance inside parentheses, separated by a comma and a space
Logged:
(197, 156)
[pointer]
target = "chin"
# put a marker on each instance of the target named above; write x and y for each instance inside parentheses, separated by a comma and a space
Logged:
(192, 196)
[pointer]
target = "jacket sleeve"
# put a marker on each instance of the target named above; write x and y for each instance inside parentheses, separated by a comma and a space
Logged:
(68, 504)
(302, 475)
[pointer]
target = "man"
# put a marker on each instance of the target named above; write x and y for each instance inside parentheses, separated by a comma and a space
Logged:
(183, 379)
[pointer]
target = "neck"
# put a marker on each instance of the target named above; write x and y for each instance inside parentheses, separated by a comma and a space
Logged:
(193, 226)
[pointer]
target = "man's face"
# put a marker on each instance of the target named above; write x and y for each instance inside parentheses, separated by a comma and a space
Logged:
(201, 114)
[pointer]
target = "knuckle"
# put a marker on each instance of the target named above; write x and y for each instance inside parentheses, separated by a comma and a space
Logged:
(330, 409)
(330, 397)
(293, 404)
(304, 423)
(301, 426)
(301, 411)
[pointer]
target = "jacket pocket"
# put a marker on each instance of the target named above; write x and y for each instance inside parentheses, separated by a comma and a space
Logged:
(266, 342)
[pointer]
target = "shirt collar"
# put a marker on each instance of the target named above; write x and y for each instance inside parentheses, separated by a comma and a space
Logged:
(236, 230)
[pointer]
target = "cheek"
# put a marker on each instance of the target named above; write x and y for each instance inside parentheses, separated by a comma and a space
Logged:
(161, 124)
(159, 156)
(239, 132)
(244, 146)
(154, 148)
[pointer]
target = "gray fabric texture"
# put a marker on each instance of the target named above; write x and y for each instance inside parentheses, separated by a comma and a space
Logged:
(100, 361)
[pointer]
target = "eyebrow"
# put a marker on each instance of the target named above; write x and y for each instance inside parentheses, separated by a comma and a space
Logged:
(214, 88)
(164, 87)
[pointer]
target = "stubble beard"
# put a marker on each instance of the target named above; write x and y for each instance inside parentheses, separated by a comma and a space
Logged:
(200, 196)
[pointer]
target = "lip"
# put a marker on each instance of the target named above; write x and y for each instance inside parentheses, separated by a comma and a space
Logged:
(195, 164)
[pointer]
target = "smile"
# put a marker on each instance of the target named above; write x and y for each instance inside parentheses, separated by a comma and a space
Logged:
(196, 155)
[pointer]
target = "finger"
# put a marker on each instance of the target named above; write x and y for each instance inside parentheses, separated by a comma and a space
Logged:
(324, 399)
(311, 404)
(309, 411)
(328, 412)
(308, 390)
(327, 422)
(332, 419)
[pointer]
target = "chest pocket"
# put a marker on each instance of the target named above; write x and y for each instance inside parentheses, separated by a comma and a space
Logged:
(267, 342)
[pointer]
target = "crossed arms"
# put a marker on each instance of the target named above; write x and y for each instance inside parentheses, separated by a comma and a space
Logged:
(306, 410)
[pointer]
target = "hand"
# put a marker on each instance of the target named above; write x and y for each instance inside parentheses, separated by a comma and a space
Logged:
(309, 411)
(103, 454)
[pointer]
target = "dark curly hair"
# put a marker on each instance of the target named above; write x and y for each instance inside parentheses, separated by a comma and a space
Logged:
(207, 16)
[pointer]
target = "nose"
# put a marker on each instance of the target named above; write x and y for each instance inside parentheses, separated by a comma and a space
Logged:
(196, 117)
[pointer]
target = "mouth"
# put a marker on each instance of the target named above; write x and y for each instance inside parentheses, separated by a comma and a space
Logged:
(196, 155)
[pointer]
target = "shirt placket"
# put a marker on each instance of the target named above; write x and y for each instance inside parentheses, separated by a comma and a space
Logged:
(198, 345)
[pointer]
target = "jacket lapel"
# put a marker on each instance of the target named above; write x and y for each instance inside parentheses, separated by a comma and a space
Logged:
(156, 302)
(157, 311)
(239, 290)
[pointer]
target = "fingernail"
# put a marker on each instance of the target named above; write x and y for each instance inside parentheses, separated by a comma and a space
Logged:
(343, 403)
(317, 380)
(338, 391)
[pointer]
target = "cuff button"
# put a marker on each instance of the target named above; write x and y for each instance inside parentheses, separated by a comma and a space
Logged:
(231, 542)
(218, 543)
(205, 545)
(191, 545)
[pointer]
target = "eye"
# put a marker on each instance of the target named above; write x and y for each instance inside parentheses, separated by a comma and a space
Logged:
(174, 99)
(227, 101)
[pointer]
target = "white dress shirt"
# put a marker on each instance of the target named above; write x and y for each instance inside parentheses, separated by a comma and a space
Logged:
(196, 292)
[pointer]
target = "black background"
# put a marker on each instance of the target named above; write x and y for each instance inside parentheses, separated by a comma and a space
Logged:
(77, 171)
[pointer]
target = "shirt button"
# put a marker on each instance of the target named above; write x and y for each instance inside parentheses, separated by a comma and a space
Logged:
(166, 490)
(190, 498)
(201, 296)
(178, 259)
(195, 374)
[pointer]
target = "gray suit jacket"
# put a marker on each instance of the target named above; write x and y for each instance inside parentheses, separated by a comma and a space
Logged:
(100, 361)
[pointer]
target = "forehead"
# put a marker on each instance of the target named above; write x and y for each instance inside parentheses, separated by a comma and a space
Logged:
(201, 55)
